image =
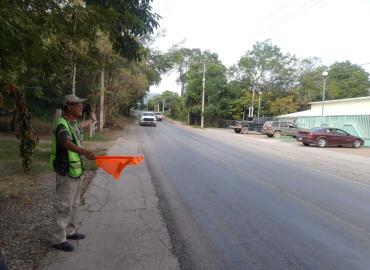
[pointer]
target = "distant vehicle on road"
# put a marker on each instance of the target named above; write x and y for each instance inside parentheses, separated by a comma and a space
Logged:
(148, 119)
(324, 136)
(277, 129)
(248, 125)
(158, 116)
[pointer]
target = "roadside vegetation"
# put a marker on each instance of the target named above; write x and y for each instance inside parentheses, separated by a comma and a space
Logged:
(280, 82)
(103, 51)
(26, 200)
(13, 180)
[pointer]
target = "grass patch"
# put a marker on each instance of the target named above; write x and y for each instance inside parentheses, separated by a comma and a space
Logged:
(287, 139)
(13, 179)
(11, 162)
(8, 149)
(96, 138)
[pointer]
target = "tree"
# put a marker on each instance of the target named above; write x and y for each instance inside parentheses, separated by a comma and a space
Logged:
(311, 84)
(266, 68)
(126, 21)
(105, 54)
(124, 89)
(347, 80)
(215, 86)
(42, 41)
(181, 59)
(283, 105)
(241, 105)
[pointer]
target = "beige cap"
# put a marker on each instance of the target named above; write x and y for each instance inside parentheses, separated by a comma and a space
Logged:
(72, 99)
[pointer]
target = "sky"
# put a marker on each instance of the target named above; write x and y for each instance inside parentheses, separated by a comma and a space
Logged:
(332, 30)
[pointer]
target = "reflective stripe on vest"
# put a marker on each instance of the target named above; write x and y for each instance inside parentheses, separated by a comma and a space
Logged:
(75, 163)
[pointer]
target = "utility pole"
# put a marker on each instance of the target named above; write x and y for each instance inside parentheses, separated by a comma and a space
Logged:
(324, 74)
(75, 3)
(259, 105)
(164, 100)
(204, 84)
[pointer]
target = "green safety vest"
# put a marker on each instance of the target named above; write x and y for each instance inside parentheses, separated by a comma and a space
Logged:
(75, 168)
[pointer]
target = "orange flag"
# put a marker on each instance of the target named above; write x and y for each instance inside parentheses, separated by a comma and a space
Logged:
(114, 165)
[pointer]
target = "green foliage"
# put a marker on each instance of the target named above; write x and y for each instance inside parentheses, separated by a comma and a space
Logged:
(96, 138)
(266, 68)
(283, 105)
(126, 21)
(346, 80)
(215, 88)
(286, 83)
(43, 40)
(240, 106)
(24, 132)
(311, 84)
(11, 165)
(181, 59)
(169, 101)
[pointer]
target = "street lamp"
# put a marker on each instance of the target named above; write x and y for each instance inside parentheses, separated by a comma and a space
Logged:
(259, 105)
(204, 85)
(325, 75)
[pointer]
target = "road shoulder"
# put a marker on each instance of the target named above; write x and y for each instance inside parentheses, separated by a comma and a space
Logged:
(124, 227)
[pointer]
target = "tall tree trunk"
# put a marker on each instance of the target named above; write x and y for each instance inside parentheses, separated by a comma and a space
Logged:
(74, 79)
(102, 92)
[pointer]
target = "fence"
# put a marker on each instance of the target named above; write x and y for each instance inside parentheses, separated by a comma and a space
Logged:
(358, 125)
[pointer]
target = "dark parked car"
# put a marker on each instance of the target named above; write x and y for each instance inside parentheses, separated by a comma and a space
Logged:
(324, 136)
(249, 124)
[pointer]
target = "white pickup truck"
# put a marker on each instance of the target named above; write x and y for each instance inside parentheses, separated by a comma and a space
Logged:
(148, 119)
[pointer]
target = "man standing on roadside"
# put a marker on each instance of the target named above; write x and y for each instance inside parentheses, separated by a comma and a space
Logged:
(65, 160)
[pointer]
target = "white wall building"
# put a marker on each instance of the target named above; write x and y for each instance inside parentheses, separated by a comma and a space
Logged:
(351, 114)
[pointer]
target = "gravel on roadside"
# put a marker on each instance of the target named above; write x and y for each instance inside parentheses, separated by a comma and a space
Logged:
(25, 222)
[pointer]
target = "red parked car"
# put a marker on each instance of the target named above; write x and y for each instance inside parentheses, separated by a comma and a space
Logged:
(325, 136)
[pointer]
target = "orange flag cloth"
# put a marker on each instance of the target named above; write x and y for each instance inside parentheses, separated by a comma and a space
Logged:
(114, 165)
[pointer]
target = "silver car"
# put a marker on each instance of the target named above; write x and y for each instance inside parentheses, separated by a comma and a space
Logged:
(277, 129)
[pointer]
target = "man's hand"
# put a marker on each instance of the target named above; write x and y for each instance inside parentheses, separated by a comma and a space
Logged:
(89, 155)
(71, 146)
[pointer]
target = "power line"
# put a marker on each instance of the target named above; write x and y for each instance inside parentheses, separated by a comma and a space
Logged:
(291, 15)
(277, 11)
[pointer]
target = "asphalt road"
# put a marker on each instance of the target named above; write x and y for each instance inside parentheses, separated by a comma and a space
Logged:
(230, 206)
